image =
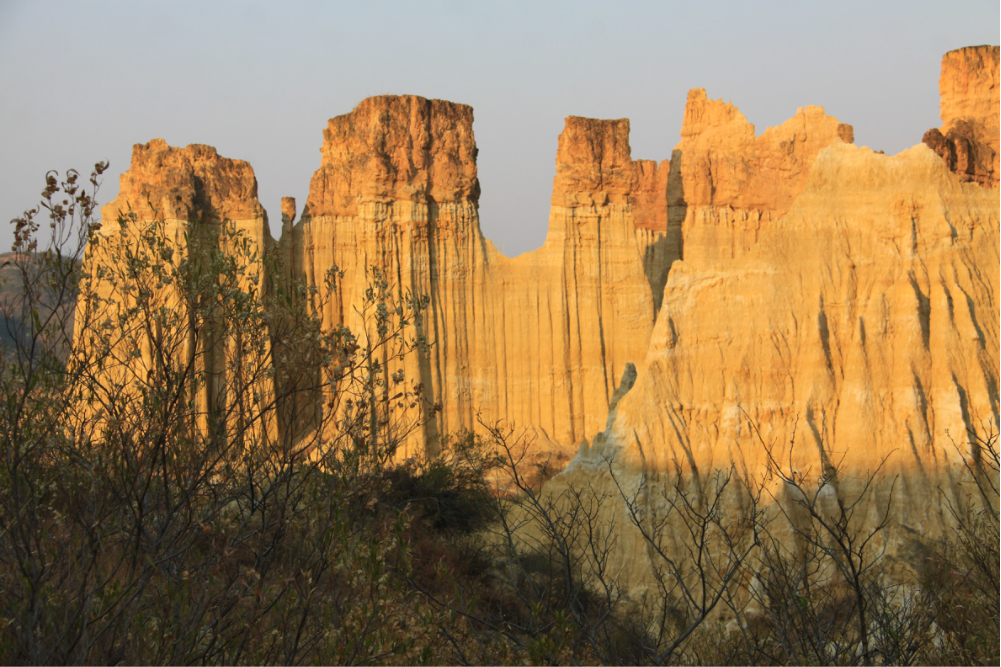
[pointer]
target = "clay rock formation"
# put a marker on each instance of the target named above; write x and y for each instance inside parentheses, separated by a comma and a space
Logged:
(594, 168)
(193, 202)
(593, 165)
(872, 336)
(835, 313)
(397, 190)
(831, 297)
(587, 273)
(395, 199)
(835, 344)
(397, 170)
(732, 183)
(189, 184)
(968, 138)
(288, 211)
(193, 191)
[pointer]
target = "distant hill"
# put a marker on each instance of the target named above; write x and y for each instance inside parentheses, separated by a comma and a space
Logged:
(13, 316)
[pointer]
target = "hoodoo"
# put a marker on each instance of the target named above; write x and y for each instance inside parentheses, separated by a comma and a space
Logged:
(968, 138)
(191, 192)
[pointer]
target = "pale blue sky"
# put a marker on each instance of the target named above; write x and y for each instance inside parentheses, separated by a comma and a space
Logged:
(83, 81)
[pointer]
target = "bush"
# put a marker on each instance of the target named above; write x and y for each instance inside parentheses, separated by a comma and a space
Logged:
(446, 490)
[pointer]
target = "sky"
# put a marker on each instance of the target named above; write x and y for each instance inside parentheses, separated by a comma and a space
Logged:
(82, 82)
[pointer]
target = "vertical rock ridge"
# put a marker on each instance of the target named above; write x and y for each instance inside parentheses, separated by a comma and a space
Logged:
(532, 340)
(192, 191)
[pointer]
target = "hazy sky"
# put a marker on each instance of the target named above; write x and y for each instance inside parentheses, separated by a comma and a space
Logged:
(83, 81)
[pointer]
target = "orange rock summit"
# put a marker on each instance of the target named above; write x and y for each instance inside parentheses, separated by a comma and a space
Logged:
(968, 138)
(193, 183)
(395, 149)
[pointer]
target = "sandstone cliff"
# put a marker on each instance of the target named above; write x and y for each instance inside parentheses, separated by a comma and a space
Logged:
(835, 313)
(397, 190)
(536, 341)
(968, 138)
(179, 209)
(872, 336)
(842, 302)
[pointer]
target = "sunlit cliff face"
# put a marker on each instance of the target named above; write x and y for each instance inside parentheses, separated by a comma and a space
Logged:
(783, 295)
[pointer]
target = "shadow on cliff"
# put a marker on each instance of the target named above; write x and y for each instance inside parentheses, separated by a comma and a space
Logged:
(670, 246)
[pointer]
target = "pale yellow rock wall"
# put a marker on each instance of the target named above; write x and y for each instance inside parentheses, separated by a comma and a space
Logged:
(859, 332)
(869, 310)
(536, 341)
(178, 197)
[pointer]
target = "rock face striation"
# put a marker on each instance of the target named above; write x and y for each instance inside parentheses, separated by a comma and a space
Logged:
(396, 197)
(862, 325)
(397, 190)
(835, 316)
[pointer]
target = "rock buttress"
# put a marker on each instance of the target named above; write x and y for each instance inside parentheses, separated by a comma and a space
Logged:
(199, 199)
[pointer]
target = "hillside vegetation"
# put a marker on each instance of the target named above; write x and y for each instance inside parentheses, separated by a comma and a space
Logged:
(151, 513)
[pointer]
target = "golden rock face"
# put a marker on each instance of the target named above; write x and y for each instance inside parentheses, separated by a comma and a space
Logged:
(841, 299)
(860, 323)
(834, 309)
(538, 340)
